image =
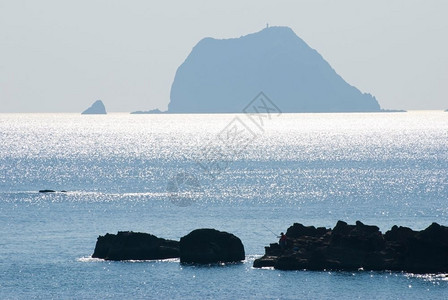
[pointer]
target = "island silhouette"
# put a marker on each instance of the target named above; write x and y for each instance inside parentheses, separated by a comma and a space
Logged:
(97, 108)
(223, 75)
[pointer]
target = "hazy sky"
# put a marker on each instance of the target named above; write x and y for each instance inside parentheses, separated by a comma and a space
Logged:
(61, 56)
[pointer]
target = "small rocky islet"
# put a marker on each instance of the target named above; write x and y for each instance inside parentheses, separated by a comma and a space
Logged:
(344, 248)
(128, 245)
(201, 246)
(97, 108)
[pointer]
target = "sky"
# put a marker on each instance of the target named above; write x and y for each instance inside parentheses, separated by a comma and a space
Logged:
(61, 56)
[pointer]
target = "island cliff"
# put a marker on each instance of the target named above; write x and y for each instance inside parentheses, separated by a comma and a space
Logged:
(223, 76)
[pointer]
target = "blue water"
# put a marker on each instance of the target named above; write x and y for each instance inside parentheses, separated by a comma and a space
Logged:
(382, 169)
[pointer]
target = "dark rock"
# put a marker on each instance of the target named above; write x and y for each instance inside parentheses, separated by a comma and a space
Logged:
(399, 234)
(298, 230)
(128, 245)
(205, 246)
(351, 247)
(267, 261)
(359, 237)
(428, 250)
(47, 191)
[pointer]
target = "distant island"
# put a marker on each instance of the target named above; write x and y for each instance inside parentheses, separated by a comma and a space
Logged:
(393, 110)
(148, 112)
(97, 108)
(223, 76)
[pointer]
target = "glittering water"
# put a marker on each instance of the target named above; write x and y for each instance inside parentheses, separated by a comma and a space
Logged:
(383, 168)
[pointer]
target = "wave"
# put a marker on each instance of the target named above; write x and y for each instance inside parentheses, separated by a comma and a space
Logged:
(91, 259)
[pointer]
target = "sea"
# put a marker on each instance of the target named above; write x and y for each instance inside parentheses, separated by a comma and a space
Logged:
(251, 175)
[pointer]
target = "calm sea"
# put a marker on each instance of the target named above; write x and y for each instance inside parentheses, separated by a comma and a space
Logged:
(170, 174)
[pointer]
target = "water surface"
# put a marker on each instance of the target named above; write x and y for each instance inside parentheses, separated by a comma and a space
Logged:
(380, 168)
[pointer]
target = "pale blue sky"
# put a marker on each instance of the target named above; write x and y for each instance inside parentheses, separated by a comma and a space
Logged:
(61, 56)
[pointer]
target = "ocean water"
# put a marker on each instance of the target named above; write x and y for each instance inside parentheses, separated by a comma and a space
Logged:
(170, 174)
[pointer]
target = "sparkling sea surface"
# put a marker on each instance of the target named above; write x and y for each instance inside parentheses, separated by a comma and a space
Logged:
(170, 174)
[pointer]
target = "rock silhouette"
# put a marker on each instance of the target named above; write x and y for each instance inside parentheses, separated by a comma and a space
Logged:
(47, 191)
(97, 108)
(223, 76)
(128, 245)
(202, 246)
(352, 247)
(205, 246)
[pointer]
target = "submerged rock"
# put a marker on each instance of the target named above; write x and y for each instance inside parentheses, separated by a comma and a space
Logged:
(128, 245)
(205, 246)
(352, 247)
(97, 108)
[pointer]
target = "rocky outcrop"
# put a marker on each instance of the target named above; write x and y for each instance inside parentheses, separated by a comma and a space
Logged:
(360, 246)
(128, 245)
(97, 108)
(224, 75)
(205, 246)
